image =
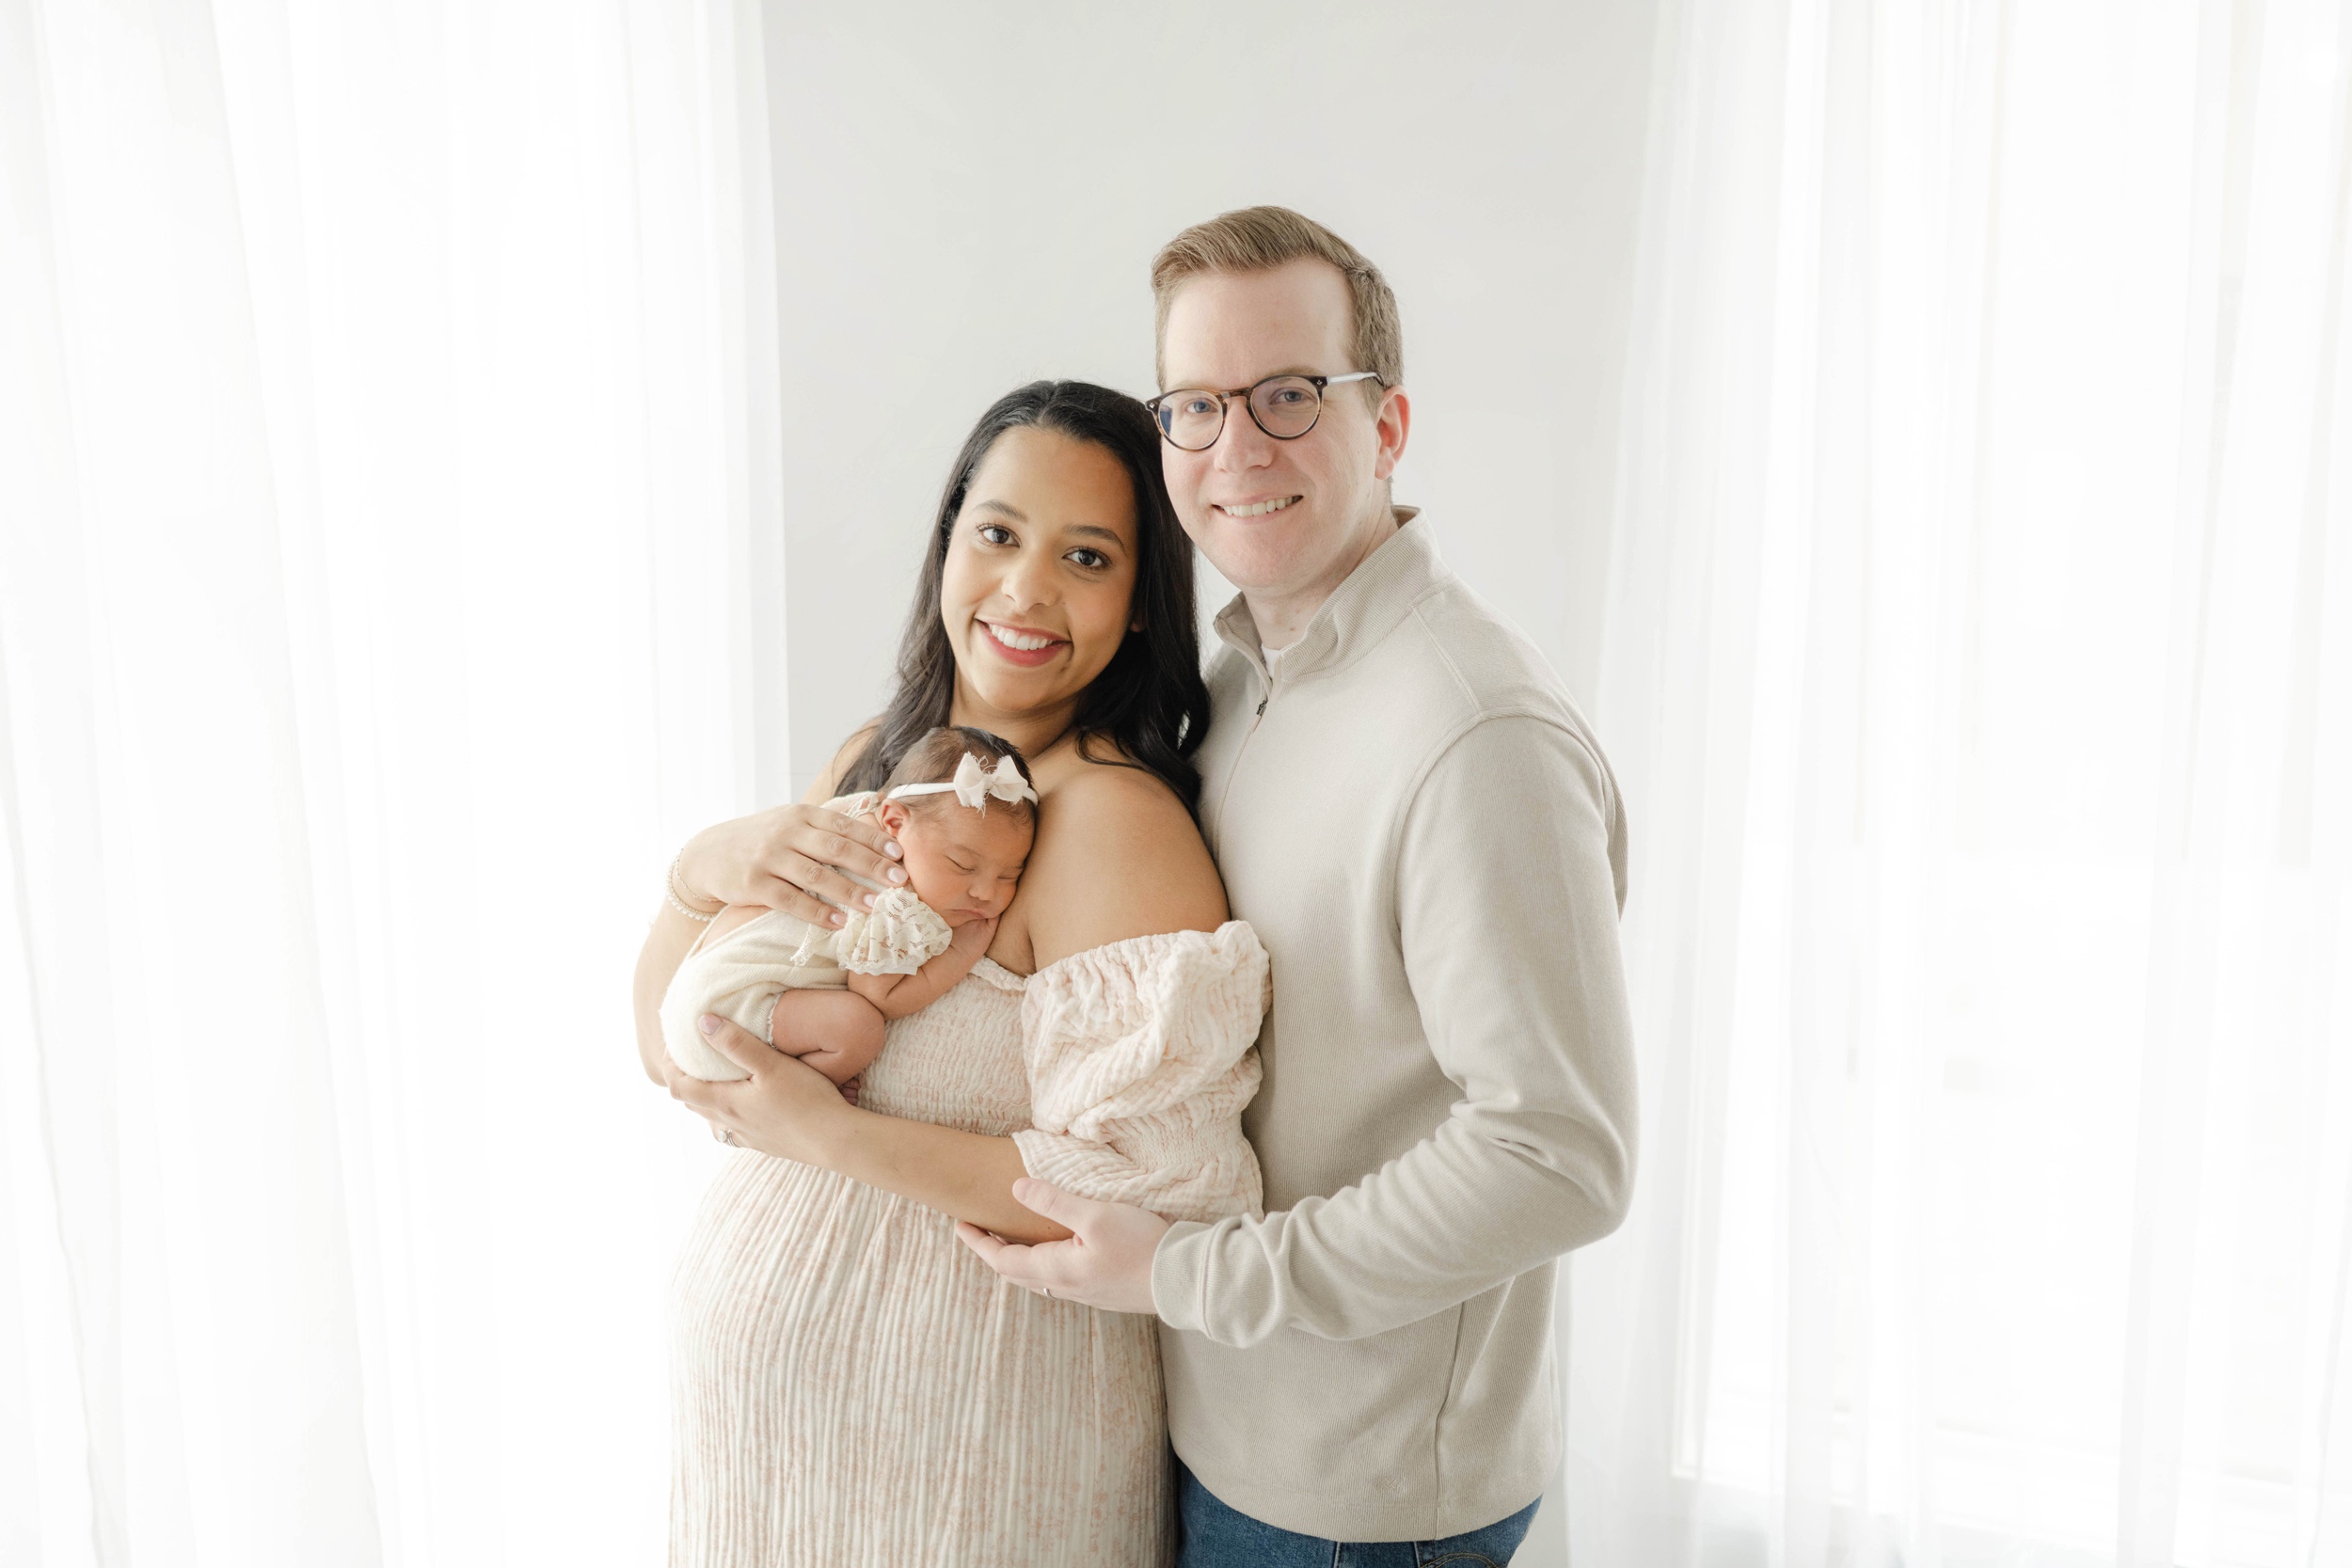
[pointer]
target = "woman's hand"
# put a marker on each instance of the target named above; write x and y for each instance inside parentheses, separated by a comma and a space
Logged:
(791, 858)
(784, 1108)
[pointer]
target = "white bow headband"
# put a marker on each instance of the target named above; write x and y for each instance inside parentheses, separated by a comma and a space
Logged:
(975, 784)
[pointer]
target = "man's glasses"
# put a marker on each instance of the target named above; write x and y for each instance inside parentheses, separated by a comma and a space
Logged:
(1285, 407)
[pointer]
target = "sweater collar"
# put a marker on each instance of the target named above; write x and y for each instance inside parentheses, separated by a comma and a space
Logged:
(1361, 610)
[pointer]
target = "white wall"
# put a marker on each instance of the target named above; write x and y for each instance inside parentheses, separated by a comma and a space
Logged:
(968, 196)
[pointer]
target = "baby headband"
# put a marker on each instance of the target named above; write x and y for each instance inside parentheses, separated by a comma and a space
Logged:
(975, 784)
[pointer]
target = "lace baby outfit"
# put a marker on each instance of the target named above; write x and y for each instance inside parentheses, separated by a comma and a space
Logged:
(851, 1386)
(739, 973)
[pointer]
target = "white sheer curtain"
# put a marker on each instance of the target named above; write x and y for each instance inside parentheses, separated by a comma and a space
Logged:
(1979, 667)
(389, 553)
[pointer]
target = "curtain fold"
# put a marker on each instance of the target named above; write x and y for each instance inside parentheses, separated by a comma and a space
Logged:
(389, 506)
(1977, 665)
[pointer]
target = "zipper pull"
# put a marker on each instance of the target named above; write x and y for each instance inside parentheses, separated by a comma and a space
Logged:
(1262, 702)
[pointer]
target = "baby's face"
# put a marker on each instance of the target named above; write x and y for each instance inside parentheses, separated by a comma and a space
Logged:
(961, 862)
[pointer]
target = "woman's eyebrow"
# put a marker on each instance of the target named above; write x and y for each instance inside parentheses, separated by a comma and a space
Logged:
(1090, 531)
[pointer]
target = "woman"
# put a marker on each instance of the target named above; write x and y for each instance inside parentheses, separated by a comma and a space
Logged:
(853, 1386)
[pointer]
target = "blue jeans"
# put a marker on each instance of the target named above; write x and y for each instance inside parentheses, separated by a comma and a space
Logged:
(1217, 1536)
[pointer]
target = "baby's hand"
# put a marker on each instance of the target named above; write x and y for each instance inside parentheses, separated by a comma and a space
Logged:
(972, 938)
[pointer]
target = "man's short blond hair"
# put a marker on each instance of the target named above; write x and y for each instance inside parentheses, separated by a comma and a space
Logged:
(1257, 238)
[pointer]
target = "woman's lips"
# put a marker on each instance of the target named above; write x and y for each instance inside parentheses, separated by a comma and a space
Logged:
(1025, 657)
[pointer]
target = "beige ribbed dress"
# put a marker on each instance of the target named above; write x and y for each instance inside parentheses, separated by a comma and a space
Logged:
(852, 1387)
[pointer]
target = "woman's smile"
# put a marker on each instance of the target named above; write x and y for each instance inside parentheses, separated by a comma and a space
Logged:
(1021, 645)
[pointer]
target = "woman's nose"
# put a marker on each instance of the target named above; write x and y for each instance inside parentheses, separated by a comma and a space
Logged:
(1025, 584)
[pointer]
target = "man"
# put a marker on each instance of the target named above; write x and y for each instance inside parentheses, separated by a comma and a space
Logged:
(1421, 828)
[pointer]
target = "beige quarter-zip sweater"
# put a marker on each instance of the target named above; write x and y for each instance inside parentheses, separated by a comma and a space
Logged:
(1425, 836)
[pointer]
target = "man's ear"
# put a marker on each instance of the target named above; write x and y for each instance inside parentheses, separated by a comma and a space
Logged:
(1391, 423)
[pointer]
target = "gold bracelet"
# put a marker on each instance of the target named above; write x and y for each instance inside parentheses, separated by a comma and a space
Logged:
(669, 886)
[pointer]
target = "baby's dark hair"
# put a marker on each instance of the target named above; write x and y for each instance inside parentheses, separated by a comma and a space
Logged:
(934, 758)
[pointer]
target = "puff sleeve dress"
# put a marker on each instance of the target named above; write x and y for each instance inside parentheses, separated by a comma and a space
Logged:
(851, 1386)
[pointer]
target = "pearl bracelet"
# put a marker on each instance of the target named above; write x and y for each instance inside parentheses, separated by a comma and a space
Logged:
(669, 887)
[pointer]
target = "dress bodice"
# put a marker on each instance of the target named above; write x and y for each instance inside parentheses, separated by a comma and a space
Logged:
(957, 1061)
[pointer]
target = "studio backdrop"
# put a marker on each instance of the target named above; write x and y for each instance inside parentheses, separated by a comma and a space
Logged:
(449, 455)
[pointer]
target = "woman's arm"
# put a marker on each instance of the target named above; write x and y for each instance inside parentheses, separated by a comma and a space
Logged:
(964, 1175)
(791, 1110)
(787, 858)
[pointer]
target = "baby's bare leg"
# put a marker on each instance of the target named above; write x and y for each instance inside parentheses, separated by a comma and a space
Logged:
(834, 1032)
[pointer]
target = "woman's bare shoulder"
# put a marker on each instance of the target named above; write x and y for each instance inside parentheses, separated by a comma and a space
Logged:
(1117, 856)
(828, 783)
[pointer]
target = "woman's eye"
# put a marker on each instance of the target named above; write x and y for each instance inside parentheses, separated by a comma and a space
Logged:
(995, 533)
(1093, 560)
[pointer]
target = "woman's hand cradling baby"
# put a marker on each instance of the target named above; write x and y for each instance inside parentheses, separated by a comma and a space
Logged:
(784, 1108)
(791, 857)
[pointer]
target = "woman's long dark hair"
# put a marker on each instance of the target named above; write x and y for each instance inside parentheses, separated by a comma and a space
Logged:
(1149, 700)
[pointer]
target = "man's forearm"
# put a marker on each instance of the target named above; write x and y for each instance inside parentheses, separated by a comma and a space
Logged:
(1455, 1216)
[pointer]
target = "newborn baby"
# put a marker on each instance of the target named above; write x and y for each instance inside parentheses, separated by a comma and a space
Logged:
(963, 810)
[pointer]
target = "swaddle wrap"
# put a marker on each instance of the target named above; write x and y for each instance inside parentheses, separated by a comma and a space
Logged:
(739, 974)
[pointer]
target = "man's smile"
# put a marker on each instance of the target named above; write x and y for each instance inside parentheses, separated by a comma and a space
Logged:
(1254, 508)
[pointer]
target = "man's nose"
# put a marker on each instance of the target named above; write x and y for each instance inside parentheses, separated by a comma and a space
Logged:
(1241, 445)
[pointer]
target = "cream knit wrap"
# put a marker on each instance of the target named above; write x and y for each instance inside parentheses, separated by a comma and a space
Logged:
(740, 974)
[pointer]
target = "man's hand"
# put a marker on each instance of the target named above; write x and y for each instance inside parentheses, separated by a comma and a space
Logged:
(1105, 1263)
